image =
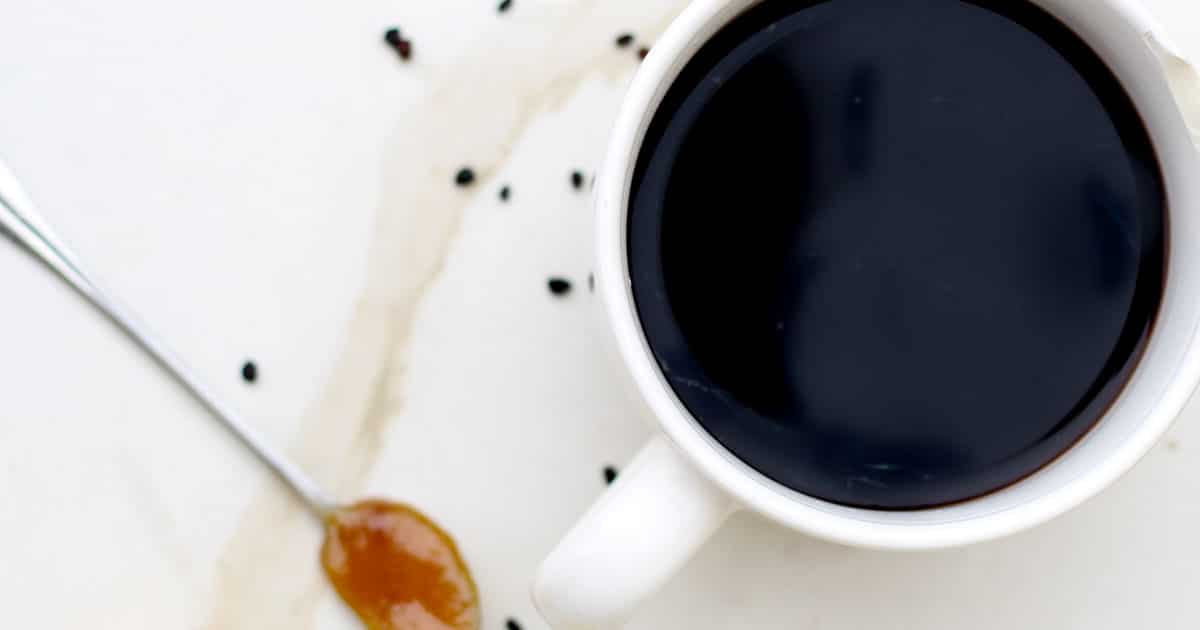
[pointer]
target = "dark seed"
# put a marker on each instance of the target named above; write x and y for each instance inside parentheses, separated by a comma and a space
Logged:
(505, 193)
(625, 39)
(576, 180)
(610, 475)
(559, 286)
(402, 46)
(505, 5)
(591, 282)
(249, 372)
(512, 624)
(642, 52)
(464, 177)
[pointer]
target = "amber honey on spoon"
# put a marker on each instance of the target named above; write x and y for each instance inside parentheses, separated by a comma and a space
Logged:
(396, 568)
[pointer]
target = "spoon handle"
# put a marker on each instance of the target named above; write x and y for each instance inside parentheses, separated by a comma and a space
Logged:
(19, 220)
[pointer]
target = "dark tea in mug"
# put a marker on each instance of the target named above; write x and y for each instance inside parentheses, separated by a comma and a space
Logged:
(897, 254)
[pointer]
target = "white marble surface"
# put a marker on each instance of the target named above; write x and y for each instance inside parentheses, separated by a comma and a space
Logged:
(264, 179)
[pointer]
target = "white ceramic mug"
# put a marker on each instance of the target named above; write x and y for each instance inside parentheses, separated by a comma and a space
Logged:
(684, 484)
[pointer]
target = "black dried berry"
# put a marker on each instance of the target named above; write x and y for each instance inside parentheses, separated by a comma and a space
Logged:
(505, 193)
(464, 177)
(610, 475)
(249, 372)
(577, 180)
(504, 5)
(512, 624)
(558, 286)
(624, 40)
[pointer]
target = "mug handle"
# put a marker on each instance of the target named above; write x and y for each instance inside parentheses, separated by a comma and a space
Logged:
(648, 524)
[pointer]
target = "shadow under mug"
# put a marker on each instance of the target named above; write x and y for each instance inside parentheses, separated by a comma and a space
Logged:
(684, 484)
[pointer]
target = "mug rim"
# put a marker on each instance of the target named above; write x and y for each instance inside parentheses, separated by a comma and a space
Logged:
(749, 487)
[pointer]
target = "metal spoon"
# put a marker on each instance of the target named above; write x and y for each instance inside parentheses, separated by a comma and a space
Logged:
(393, 570)
(20, 220)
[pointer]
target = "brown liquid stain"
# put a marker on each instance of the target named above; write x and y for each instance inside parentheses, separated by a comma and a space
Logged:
(267, 573)
(398, 570)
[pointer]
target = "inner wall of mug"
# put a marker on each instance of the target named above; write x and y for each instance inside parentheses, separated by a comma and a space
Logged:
(1152, 397)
